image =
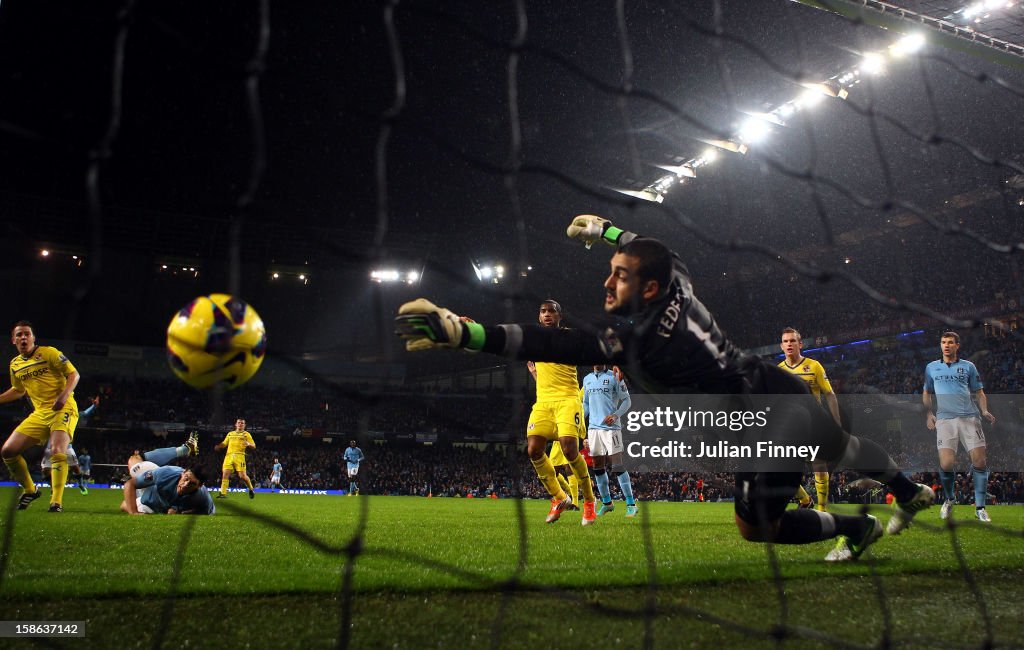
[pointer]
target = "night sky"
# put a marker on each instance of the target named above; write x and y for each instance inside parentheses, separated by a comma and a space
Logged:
(174, 180)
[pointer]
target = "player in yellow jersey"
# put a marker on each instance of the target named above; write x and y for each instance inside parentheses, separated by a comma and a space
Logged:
(814, 375)
(237, 442)
(557, 414)
(49, 380)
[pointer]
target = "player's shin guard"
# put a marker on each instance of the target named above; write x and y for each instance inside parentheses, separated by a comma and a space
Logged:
(19, 472)
(58, 477)
(546, 473)
(574, 488)
(579, 468)
(626, 485)
(948, 481)
(601, 478)
(980, 477)
(821, 487)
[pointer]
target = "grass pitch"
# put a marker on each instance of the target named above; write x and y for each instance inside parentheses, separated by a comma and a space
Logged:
(294, 571)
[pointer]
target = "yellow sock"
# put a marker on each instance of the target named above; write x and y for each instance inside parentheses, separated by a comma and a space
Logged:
(58, 477)
(546, 473)
(19, 472)
(821, 487)
(248, 481)
(579, 468)
(802, 496)
(563, 483)
(224, 485)
(574, 488)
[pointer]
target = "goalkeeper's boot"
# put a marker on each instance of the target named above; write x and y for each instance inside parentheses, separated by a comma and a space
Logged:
(982, 516)
(605, 508)
(56, 507)
(252, 494)
(846, 549)
(947, 509)
(557, 507)
(631, 511)
(589, 516)
(903, 513)
(28, 497)
(222, 496)
(806, 505)
(193, 443)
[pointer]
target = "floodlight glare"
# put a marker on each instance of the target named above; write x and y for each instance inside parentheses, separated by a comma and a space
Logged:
(709, 156)
(907, 45)
(809, 98)
(412, 276)
(753, 131)
(872, 63)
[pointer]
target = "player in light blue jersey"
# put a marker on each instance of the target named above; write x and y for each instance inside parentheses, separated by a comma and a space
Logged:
(605, 401)
(949, 385)
(353, 456)
(275, 475)
(158, 488)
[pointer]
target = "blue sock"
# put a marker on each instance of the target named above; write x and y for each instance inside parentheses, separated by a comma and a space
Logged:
(164, 455)
(980, 486)
(948, 480)
(627, 488)
(353, 487)
(601, 478)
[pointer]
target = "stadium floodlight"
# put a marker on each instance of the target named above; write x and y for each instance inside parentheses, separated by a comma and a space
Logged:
(728, 145)
(44, 253)
(709, 156)
(682, 171)
(412, 277)
(909, 44)
(872, 63)
(646, 194)
(752, 131)
(385, 275)
(786, 110)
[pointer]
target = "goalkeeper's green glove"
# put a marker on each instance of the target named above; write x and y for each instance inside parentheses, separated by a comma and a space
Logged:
(425, 326)
(589, 228)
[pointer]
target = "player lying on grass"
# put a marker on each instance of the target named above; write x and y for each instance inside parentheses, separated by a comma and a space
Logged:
(667, 341)
(158, 488)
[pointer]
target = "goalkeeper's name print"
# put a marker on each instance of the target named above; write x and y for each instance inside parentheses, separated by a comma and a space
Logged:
(722, 449)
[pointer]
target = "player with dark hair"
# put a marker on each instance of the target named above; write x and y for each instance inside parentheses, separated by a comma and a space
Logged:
(237, 442)
(949, 385)
(557, 416)
(666, 341)
(813, 373)
(166, 489)
(49, 379)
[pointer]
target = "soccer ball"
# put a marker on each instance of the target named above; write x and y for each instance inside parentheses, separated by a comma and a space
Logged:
(216, 338)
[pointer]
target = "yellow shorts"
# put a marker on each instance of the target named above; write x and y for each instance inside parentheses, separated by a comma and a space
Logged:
(42, 422)
(557, 419)
(235, 462)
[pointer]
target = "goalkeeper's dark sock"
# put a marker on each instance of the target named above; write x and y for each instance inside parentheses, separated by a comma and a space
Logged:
(804, 526)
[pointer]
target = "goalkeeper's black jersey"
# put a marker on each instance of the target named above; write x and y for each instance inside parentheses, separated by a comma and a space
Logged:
(673, 345)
